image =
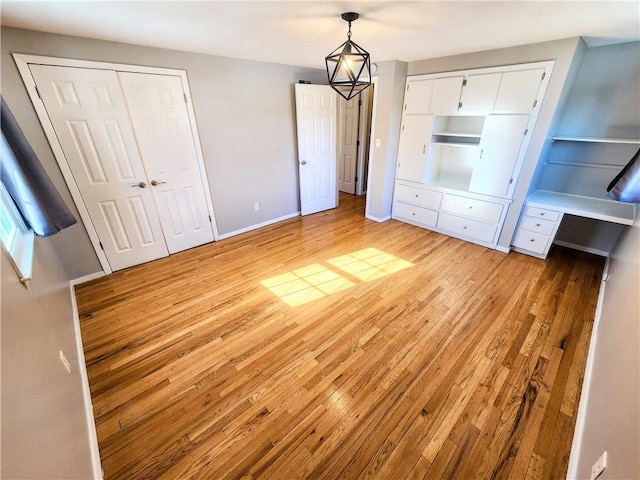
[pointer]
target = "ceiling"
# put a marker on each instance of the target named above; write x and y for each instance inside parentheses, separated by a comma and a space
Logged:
(303, 33)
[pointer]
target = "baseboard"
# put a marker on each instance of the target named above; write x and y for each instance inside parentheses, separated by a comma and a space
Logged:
(258, 225)
(86, 278)
(503, 249)
(378, 219)
(582, 248)
(581, 417)
(96, 465)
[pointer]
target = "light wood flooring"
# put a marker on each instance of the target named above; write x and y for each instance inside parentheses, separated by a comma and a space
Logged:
(415, 356)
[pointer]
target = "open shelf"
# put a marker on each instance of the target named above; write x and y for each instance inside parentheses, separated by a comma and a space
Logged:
(631, 141)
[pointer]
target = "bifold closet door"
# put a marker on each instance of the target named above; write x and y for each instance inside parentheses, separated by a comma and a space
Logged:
(128, 141)
(158, 112)
(88, 112)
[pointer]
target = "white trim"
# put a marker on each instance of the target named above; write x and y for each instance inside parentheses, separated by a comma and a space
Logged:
(503, 249)
(259, 225)
(86, 278)
(96, 465)
(23, 61)
(581, 417)
(378, 219)
(372, 143)
(582, 248)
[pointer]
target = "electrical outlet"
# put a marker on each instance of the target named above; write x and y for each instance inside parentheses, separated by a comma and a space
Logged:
(65, 362)
(256, 206)
(599, 466)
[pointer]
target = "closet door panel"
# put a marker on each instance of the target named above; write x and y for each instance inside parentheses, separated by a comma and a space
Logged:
(88, 113)
(160, 119)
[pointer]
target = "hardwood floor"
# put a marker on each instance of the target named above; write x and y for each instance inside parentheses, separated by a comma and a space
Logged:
(407, 355)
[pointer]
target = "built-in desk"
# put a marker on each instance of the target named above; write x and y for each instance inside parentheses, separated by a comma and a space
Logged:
(544, 211)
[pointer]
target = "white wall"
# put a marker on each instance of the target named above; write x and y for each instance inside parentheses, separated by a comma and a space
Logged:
(246, 121)
(44, 425)
(612, 403)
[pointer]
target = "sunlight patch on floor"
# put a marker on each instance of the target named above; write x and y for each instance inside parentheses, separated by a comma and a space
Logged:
(315, 281)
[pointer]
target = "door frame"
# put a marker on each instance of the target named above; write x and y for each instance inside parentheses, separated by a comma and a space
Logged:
(23, 61)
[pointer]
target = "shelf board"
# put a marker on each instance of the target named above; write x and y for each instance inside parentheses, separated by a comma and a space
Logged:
(589, 207)
(457, 134)
(631, 141)
(452, 144)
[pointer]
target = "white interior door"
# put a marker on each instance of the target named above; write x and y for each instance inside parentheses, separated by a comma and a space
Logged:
(87, 110)
(157, 107)
(348, 144)
(316, 124)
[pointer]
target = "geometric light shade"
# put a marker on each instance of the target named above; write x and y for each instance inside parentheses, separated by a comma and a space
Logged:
(348, 66)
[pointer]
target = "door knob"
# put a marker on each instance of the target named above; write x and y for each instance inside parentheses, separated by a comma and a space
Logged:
(303, 162)
(141, 185)
(155, 183)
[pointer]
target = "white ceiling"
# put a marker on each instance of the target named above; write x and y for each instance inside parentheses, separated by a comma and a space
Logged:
(303, 33)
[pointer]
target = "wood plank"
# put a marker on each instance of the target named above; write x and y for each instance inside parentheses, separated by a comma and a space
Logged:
(466, 364)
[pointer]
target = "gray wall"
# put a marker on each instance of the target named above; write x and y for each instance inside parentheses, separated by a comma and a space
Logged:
(612, 416)
(44, 426)
(563, 52)
(388, 117)
(246, 122)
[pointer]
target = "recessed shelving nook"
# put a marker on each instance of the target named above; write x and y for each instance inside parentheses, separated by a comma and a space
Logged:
(463, 140)
(573, 182)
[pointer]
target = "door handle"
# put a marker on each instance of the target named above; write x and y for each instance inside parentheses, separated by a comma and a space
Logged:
(155, 183)
(141, 185)
(303, 162)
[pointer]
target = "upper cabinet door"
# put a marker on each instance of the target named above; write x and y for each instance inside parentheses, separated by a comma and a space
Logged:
(480, 92)
(499, 147)
(446, 95)
(417, 97)
(518, 91)
(412, 151)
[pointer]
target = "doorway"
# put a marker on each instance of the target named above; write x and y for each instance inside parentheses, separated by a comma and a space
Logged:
(354, 142)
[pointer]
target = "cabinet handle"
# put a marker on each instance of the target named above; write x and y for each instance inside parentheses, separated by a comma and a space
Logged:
(537, 224)
(464, 228)
(532, 240)
(416, 195)
(481, 152)
(424, 149)
(542, 214)
(470, 207)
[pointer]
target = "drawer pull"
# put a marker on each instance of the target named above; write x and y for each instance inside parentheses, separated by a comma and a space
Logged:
(538, 225)
(417, 195)
(542, 214)
(532, 240)
(414, 214)
(470, 207)
(465, 227)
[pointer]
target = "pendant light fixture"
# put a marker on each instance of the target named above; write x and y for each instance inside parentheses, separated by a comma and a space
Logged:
(348, 66)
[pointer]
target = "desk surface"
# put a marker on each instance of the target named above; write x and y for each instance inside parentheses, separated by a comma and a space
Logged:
(589, 207)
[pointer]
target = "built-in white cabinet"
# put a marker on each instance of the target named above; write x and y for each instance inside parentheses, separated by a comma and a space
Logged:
(432, 95)
(412, 151)
(465, 135)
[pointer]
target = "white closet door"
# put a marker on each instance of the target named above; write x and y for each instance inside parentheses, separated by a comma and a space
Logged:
(87, 111)
(160, 119)
(316, 124)
(500, 144)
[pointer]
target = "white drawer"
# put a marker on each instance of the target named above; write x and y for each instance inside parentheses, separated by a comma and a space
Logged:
(538, 225)
(480, 231)
(534, 242)
(412, 213)
(470, 207)
(542, 213)
(418, 196)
